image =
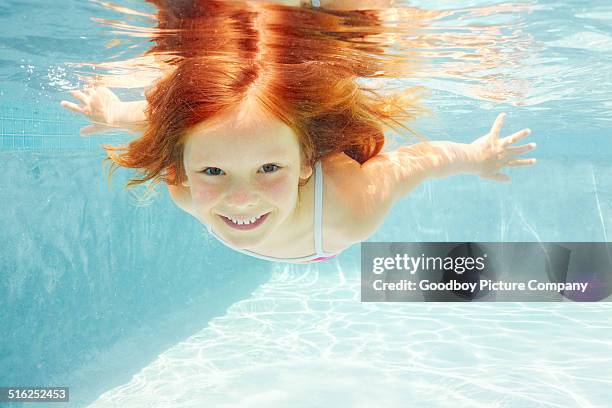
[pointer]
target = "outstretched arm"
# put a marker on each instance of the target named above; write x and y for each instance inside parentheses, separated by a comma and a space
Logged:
(486, 157)
(106, 111)
(384, 179)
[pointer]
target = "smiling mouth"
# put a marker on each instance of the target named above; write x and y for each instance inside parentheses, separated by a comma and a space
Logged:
(247, 225)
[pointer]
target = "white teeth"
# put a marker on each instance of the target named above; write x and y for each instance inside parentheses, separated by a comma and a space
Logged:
(252, 220)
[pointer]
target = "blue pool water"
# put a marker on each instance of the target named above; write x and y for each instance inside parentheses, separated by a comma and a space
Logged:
(132, 304)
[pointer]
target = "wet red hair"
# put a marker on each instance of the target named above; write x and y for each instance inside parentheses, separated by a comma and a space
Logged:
(301, 65)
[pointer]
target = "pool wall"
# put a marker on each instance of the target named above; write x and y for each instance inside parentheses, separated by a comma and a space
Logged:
(92, 285)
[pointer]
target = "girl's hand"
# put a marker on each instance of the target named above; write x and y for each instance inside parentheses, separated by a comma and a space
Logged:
(100, 105)
(491, 154)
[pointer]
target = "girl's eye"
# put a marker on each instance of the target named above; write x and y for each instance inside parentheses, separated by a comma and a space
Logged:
(212, 171)
(269, 168)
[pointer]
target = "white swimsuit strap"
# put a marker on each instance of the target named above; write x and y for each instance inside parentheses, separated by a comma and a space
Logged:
(318, 209)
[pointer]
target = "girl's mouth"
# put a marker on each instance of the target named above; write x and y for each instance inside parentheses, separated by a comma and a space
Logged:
(248, 225)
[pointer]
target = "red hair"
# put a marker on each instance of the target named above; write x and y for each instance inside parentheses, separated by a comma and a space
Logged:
(300, 65)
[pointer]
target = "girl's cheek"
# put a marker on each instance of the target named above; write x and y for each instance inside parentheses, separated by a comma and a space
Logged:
(205, 192)
(280, 188)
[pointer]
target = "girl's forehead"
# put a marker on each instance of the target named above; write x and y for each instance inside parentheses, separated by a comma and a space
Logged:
(229, 133)
(258, 141)
(247, 119)
(247, 116)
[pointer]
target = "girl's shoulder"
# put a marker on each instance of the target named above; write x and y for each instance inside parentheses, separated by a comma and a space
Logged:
(343, 192)
(341, 176)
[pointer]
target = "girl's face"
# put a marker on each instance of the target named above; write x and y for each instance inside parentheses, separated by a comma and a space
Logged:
(241, 173)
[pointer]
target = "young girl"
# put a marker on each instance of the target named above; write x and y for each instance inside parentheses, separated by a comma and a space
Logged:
(279, 155)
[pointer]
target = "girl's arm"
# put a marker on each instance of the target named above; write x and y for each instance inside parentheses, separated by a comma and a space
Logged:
(106, 111)
(384, 179)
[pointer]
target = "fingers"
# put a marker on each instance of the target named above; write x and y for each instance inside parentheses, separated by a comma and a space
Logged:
(73, 107)
(515, 137)
(81, 96)
(516, 150)
(497, 125)
(521, 162)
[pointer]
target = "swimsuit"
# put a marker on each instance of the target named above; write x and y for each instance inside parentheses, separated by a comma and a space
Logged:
(319, 254)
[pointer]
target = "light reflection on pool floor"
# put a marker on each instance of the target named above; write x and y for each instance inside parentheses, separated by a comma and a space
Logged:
(304, 339)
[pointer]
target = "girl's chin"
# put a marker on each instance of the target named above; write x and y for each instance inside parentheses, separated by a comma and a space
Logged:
(242, 239)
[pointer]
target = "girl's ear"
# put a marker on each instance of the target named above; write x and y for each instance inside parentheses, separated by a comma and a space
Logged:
(305, 171)
(185, 183)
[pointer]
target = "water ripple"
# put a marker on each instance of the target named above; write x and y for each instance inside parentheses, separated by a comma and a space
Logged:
(304, 339)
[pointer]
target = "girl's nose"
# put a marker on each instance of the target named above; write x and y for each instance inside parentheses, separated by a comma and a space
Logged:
(242, 196)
